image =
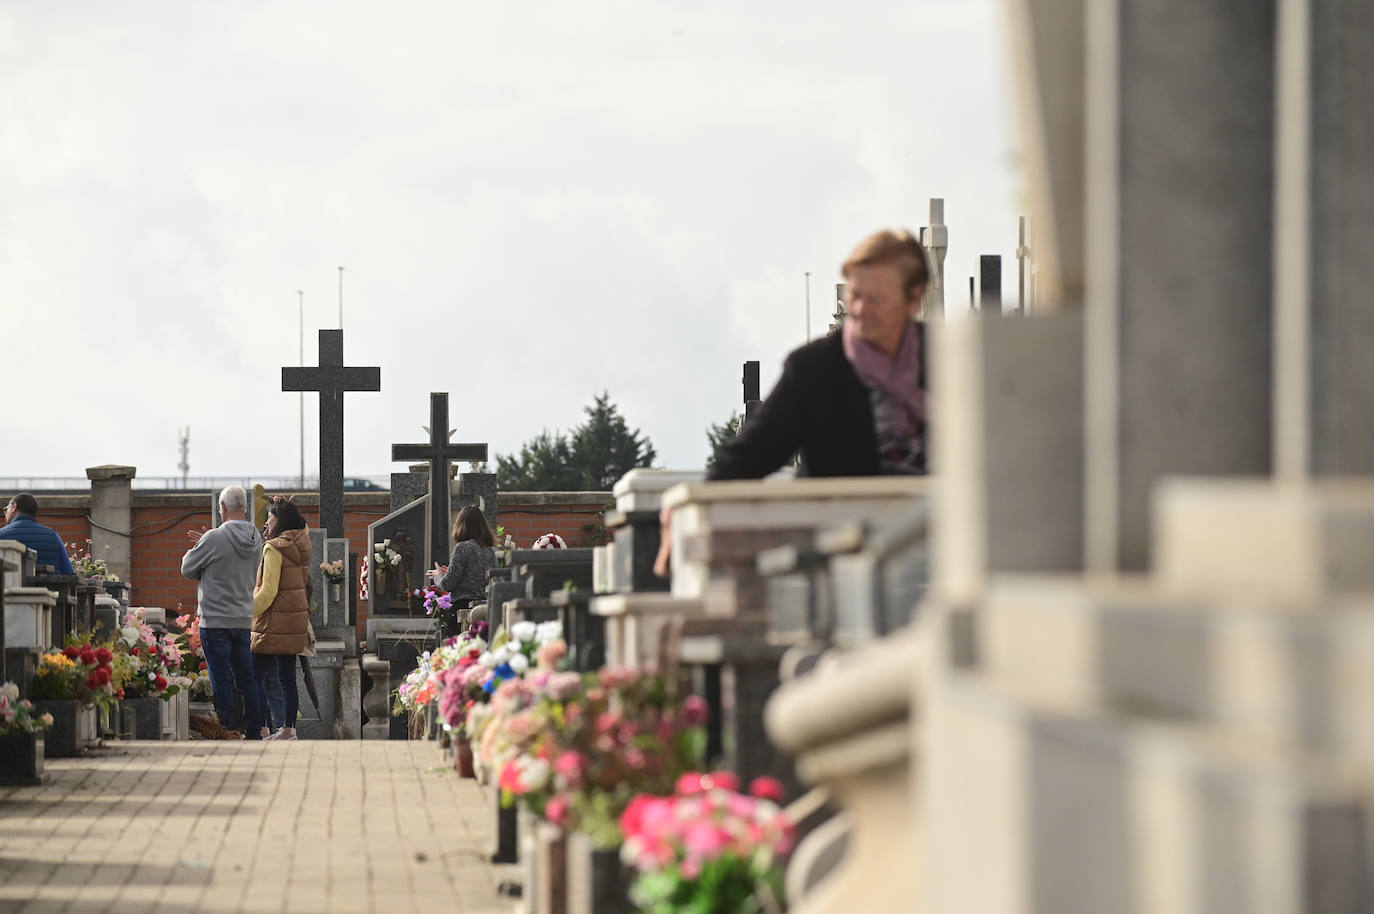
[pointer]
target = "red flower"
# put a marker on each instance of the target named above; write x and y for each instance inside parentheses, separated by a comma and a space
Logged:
(88, 656)
(103, 654)
(92, 682)
(202, 664)
(766, 788)
(119, 693)
(72, 651)
(160, 683)
(101, 675)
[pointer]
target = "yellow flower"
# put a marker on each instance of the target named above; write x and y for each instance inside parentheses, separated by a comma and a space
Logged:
(56, 662)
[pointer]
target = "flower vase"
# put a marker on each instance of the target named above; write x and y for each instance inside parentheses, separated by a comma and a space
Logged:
(597, 882)
(336, 592)
(88, 727)
(462, 757)
(140, 718)
(60, 738)
(21, 759)
(551, 851)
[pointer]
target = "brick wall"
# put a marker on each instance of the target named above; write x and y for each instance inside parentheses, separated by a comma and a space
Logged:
(160, 524)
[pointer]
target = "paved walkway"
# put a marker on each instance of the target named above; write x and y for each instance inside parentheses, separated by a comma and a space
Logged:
(221, 827)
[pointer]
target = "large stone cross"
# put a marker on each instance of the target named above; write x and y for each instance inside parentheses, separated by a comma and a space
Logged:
(439, 451)
(331, 379)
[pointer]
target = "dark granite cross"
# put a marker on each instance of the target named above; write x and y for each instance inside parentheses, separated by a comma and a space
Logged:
(439, 451)
(330, 379)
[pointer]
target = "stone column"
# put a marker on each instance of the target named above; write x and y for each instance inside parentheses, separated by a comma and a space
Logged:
(112, 516)
(1180, 181)
(1048, 54)
(1324, 235)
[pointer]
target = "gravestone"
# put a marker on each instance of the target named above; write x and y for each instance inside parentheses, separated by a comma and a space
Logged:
(407, 487)
(405, 530)
(990, 284)
(331, 379)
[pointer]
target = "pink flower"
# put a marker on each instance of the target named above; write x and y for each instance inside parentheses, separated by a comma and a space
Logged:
(767, 788)
(557, 810)
(705, 840)
(690, 783)
(694, 711)
(571, 767)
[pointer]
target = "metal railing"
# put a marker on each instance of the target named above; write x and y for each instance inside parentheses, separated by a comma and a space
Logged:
(192, 483)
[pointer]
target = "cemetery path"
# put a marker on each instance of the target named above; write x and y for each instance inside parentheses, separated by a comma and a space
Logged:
(227, 827)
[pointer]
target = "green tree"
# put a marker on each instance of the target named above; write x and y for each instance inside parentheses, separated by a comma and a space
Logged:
(597, 453)
(719, 434)
(605, 446)
(545, 463)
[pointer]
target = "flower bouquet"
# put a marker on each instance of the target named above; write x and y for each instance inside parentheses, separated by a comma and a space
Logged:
(707, 848)
(504, 544)
(87, 565)
(333, 571)
(438, 604)
(16, 714)
(149, 668)
(625, 732)
(21, 738)
(550, 541)
(193, 666)
(81, 671)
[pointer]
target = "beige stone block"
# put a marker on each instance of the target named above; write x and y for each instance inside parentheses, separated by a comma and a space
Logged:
(1284, 680)
(1290, 544)
(1041, 811)
(1007, 447)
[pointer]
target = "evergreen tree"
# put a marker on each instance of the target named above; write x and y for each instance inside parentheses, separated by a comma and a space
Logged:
(719, 434)
(545, 463)
(606, 448)
(598, 452)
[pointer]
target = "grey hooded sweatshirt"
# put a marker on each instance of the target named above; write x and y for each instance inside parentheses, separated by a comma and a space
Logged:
(225, 562)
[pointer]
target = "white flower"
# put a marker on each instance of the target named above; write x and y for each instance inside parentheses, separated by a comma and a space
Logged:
(129, 634)
(152, 677)
(395, 558)
(548, 631)
(534, 773)
(9, 691)
(523, 631)
(489, 660)
(386, 543)
(520, 663)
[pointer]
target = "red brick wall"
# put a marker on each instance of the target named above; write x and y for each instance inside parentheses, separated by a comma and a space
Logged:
(160, 524)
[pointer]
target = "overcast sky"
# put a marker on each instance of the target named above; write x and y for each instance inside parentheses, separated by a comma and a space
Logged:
(533, 203)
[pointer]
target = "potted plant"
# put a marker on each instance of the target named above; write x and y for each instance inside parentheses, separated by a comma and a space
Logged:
(707, 848)
(21, 739)
(73, 685)
(148, 671)
(334, 576)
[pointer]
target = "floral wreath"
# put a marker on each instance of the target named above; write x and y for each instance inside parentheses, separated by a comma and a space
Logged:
(550, 541)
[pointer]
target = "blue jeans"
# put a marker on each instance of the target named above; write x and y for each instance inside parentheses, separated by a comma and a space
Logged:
(271, 698)
(229, 662)
(283, 667)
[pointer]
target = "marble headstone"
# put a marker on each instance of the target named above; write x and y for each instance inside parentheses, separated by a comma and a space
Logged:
(406, 530)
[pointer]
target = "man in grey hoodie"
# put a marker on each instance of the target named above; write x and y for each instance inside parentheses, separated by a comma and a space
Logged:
(225, 563)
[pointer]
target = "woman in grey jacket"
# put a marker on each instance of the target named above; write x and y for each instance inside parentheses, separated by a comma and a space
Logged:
(465, 577)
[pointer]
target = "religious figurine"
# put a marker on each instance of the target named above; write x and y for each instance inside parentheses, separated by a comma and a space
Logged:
(398, 576)
(260, 505)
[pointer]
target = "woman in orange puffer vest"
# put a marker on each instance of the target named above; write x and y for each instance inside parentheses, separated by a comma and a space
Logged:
(281, 610)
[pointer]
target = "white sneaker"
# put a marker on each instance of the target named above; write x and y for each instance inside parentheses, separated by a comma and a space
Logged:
(284, 734)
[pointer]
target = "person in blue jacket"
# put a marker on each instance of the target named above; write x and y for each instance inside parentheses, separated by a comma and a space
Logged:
(20, 525)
